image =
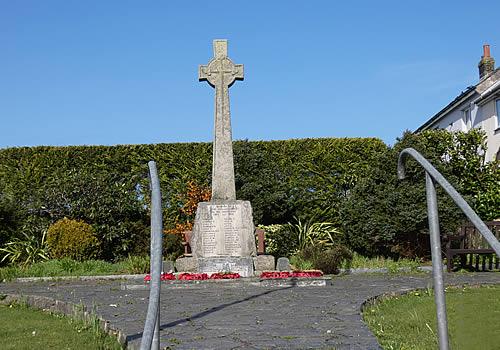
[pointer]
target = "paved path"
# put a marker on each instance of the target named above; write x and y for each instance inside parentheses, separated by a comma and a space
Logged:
(218, 316)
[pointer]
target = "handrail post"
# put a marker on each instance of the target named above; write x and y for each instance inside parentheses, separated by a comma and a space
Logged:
(433, 176)
(437, 262)
(151, 334)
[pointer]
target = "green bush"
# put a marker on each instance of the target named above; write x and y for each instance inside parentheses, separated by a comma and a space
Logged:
(288, 239)
(279, 240)
(331, 259)
(72, 239)
(9, 220)
(327, 260)
(25, 251)
(386, 216)
(313, 233)
(172, 246)
(135, 264)
(299, 263)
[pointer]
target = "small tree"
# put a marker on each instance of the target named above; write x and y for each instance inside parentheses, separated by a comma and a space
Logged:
(187, 213)
(384, 215)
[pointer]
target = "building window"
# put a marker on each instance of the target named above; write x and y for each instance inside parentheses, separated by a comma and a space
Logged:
(498, 111)
(467, 119)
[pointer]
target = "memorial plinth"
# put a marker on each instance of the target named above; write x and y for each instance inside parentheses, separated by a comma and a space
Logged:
(223, 237)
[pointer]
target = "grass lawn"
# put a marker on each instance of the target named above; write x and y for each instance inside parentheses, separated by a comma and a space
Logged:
(68, 267)
(409, 322)
(359, 261)
(26, 328)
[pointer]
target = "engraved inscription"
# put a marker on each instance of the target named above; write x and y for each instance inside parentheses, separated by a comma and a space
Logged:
(208, 238)
(221, 227)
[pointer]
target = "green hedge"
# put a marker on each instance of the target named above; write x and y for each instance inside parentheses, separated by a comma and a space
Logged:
(107, 186)
(350, 182)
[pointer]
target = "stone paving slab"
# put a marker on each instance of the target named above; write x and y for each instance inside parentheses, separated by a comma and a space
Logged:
(247, 317)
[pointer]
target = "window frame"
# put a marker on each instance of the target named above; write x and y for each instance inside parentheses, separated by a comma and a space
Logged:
(467, 118)
(497, 110)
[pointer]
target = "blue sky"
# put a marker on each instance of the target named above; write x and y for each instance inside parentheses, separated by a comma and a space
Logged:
(125, 72)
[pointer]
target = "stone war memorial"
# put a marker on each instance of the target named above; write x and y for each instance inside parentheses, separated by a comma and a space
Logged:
(330, 276)
(223, 233)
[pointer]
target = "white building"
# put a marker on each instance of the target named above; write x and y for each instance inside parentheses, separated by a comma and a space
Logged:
(476, 107)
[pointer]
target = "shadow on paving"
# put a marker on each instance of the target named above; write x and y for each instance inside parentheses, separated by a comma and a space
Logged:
(208, 312)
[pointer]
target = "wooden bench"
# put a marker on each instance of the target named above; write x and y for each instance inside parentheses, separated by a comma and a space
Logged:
(474, 251)
(261, 243)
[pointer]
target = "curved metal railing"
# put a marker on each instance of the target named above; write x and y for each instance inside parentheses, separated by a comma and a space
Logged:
(432, 176)
(151, 334)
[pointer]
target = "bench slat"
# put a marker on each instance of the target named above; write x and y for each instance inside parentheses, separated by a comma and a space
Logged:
(468, 235)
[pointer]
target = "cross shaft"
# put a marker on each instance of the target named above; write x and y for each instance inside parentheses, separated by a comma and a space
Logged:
(221, 73)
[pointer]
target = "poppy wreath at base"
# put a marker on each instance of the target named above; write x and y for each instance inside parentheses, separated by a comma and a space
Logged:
(224, 276)
(186, 276)
(164, 277)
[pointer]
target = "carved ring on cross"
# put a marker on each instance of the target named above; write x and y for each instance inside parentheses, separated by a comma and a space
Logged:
(221, 72)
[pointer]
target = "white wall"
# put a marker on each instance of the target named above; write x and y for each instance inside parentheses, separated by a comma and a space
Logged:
(488, 121)
(483, 116)
(453, 121)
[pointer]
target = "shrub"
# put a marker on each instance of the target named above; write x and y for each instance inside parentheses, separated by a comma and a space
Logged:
(331, 259)
(287, 240)
(9, 219)
(279, 240)
(299, 263)
(312, 233)
(26, 251)
(72, 239)
(327, 260)
(348, 182)
(185, 219)
(172, 246)
(135, 264)
(386, 216)
(138, 241)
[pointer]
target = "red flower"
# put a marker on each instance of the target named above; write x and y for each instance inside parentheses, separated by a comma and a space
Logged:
(167, 276)
(192, 276)
(163, 277)
(219, 276)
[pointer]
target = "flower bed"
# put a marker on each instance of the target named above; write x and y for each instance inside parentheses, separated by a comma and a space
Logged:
(293, 274)
(186, 276)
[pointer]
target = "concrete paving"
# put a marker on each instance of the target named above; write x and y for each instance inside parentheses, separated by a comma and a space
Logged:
(222, 316)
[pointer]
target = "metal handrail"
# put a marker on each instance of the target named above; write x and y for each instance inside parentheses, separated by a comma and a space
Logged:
(151, 334)
(432, 176)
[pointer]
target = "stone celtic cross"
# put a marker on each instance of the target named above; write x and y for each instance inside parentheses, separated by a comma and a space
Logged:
(221, 73)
